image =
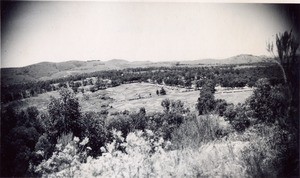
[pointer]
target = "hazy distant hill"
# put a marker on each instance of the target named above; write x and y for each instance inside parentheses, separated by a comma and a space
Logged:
(246, 59)
(239, 59)
(50, 70)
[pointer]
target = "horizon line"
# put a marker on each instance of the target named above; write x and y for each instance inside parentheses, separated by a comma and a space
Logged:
(128, 60)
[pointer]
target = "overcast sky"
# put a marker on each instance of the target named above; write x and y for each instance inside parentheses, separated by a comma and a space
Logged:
(33, 32)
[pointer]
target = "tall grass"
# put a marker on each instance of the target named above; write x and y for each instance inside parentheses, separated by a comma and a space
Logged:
(267, 151)
(198, 130)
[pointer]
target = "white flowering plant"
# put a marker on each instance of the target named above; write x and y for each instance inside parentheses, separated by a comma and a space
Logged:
(67, 156)
(142, 154)
(133, 156)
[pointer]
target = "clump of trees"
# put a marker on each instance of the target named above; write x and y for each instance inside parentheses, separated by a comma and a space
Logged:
(206, 101)
(269, 103)
(64, 113)
(29, 136)
(236, 115)
(174, 106)
(20, 132)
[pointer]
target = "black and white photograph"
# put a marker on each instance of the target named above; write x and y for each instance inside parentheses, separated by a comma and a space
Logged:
(136, 89)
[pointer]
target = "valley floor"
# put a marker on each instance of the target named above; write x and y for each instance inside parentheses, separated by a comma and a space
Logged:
(134, 96)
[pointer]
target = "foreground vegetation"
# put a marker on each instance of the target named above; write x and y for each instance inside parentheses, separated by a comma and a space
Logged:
(226, 139)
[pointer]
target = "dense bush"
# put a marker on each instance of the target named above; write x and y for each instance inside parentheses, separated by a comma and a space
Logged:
(220, 106)
(269, 103)
(44, 147)
(242, 117)
(267, 151)
(206, 101)
(139, 120)
(18, 141)
(96, 131)
(174, 106)
(170, 122)
(120, 122)
(163, 124)
(239, 116)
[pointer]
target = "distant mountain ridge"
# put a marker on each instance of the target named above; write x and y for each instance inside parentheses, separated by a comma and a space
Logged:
(50, 70)
(239, 59)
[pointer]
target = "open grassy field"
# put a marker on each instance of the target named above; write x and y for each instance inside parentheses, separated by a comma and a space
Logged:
(40, 102)
(126, 96)
(131, 97)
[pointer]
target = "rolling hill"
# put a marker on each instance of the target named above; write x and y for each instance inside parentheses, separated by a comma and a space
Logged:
(239, 59)
(50, 70)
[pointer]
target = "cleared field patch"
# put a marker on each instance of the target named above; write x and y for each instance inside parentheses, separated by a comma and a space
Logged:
(131, 97)
(40, 102)
(235, 98)
(136, 95)
(97, 101)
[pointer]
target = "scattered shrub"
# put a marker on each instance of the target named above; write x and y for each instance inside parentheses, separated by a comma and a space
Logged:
(162, 91)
